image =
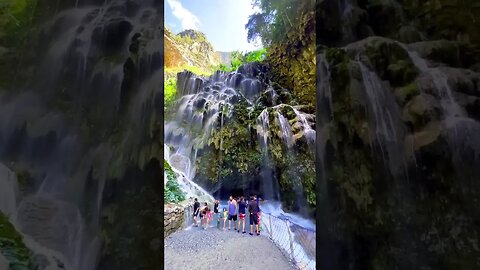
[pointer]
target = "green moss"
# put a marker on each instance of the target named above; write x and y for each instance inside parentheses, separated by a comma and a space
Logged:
(401, 72)
(406, 93)
(12, 246)
(391, 61)
(335, 56)
(292, 60)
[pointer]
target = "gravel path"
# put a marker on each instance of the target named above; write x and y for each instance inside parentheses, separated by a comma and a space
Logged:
(197, 249)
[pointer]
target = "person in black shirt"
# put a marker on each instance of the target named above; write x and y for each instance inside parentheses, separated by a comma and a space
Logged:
(253, 211)
(216, 204)
(241, 213)
(196, 208)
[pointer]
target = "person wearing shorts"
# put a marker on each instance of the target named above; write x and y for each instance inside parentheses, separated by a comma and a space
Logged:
(253, 211)
(241, 214)
(216, 204)
(196, 208)
(224, 216)
(232, 213)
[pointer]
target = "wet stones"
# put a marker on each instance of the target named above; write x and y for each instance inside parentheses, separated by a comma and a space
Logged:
(421, 109)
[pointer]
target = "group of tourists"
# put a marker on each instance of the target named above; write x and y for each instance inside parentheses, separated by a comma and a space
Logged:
(236, 210)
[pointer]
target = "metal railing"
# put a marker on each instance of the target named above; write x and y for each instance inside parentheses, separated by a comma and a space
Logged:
(297, 243)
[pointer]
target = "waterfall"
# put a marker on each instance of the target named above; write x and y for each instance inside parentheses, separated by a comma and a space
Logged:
(388, 130)
(60, 129)
(286, 130)
(324, 90)
(262, 129)
(204, 105)
(459, 127)
(8, 206)
(309, 133)
(192, 189)
(449, 105)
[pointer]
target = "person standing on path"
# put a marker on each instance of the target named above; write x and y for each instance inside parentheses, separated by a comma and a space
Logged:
(253, 211)
(224, 214)
(204, 215)
(215, 212)
(232, 213)
(196, 208)
(241, 214)
(259, 214)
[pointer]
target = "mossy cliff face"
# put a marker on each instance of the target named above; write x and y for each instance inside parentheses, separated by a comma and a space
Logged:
(92, 107)
(293, 61)
(233, 161)
(400, 159)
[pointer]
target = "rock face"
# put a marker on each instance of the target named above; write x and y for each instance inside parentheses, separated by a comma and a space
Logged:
(245, 134)
(175, 218)
(189, 47)
(398, 107)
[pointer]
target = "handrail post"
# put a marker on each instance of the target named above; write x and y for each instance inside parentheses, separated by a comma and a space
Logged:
(271, 231)
(291, 240)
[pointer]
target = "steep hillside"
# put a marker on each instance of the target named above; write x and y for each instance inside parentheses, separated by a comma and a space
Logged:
(173, 55)
(189, 48)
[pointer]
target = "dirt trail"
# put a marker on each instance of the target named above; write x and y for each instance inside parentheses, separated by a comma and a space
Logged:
(199, 249)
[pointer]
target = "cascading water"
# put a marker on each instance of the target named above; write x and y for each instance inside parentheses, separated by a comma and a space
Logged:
(60, 128)
(388, 130)
(449, 105)
(458, 125)
(190, 187)
(206, 105)
(286, 130)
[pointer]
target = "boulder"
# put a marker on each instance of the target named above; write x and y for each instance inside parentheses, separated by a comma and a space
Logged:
(421, 109)
(388, 57)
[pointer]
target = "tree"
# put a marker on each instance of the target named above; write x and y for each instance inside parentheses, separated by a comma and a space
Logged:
(275, 19)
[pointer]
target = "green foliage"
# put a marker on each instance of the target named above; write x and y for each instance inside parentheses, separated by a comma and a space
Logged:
(170, 91)
(238, 59)
(172, 193)
(276, 19)
(256, 56)
(292, 60)
(15, 20)
(12, 246)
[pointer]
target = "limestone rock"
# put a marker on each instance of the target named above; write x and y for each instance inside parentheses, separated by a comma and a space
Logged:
(421, 110)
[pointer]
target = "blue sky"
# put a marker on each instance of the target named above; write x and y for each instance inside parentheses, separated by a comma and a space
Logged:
(222, 21)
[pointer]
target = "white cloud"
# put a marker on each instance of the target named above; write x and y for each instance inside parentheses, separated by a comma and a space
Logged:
(187, 19)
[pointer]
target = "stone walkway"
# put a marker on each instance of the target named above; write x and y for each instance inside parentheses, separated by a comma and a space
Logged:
(198, 249)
